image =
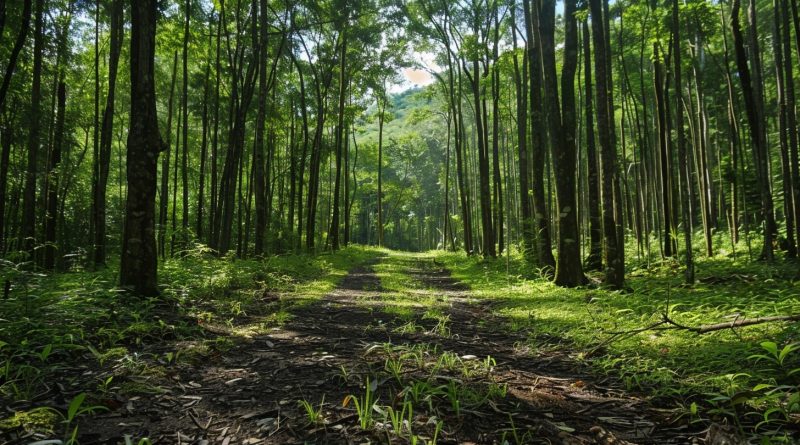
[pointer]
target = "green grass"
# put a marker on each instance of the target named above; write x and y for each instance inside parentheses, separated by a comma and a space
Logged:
(51, 323)
(676, 365)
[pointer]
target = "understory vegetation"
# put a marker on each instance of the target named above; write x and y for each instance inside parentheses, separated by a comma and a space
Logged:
(73, 347)
(75, 337)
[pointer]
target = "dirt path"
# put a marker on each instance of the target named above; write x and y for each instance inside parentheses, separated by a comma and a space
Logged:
(455, 366)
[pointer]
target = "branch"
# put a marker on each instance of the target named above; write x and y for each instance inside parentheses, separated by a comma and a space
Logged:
(735, 323)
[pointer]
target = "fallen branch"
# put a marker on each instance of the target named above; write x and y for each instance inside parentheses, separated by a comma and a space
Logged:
(668, 324)
(737, 323)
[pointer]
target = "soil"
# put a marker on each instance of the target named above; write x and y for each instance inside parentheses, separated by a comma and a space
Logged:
(250, 392)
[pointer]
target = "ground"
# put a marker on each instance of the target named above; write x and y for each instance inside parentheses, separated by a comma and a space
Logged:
(478, 383)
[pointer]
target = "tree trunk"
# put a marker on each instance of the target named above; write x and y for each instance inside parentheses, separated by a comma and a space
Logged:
(51, 210)
(138, 269)
(594, 261)
(117, 31)
(541, 215)
(783, 132)
(682, 156)
(339, 144)
(754, 105)
(791, 110)
(521, 84)
(28, 241)
(261, 177)
(165, 163)
(613, 248)
(25, 24)
(185, 136)
(569, 271)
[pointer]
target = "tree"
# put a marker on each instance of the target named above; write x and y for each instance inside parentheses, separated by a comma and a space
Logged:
(751, 90)
(561, 119)
(117, 31)
(18, 44)
(544, 248)
(686, 208)
(34, 142)
(613, 249)
(138, 268)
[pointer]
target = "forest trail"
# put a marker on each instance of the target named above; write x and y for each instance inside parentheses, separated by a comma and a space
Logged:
(415, 334)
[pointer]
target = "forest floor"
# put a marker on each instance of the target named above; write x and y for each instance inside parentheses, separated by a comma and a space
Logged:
(432, 354)
(396, 350)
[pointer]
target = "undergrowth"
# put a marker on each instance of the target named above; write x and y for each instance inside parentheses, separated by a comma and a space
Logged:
(78, 329)
(748, 376)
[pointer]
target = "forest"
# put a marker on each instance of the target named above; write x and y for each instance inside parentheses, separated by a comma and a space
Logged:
(399, 221)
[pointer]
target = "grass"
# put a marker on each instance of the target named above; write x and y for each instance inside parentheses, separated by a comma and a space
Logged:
(54, 323)
(672, 364)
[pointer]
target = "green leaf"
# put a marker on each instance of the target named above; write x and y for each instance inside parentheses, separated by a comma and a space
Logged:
(761, 386)
(770, 347)
(74, 406)
(785, 351)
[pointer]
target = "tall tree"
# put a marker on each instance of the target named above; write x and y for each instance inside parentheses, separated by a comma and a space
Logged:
(138, 268)
(613, 250)
(594, 261)
(34, 136)
(544, 247)
(25, 23)
(686, 176)
(751, 90)
(260, 175)
(561, 119)
(185, 136)
(51, 183)
(116, 31)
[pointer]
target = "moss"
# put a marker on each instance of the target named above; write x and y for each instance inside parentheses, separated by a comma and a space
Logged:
(39, 420)
(132, 387)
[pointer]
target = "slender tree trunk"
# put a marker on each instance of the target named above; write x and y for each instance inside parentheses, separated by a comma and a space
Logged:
(521, 84)
(784, 130)
(260, 176)
(595, 259)
(29, 195)
(569, 271)
(540, 213)
(165, 163)
(498, 180)
(213, 220)
(51, 211)
(201, 196)
(19, 43)
(5, 157)
(104, 163)
(613, 249)
(791, 110)
(138, 268)
(339, 144)
(185, 136)
(686, 208)
(754, 104)
(381, 111)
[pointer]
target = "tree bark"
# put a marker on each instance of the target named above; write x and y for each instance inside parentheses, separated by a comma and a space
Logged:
(569, 270)
(25, 24)
(29, 195)
(594, 260)
(138, 269)
(613, 248)
(104, 163)
(541, 216)
(51, 210)
(754, 105)
(686, 208)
